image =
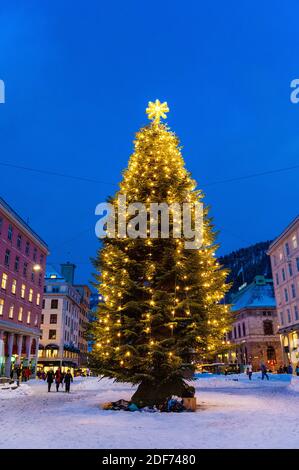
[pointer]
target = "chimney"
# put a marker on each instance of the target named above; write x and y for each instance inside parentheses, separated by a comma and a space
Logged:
(68, 272)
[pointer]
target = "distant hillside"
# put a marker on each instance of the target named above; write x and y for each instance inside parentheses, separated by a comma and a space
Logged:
(246, 263)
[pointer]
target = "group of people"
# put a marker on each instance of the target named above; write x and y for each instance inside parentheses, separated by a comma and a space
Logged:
(287, 369)
(60, 378)
(19, 373)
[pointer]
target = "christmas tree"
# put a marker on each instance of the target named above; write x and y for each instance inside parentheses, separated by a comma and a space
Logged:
(162, 306)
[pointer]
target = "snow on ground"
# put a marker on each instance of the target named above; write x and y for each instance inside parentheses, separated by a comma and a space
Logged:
(232, 413)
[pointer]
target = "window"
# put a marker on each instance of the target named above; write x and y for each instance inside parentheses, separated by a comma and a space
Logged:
(283, 274)
(40, 280)
(289, 315)
(9, 232)
(41, 260)
(19, 241)
(30, 295)
(37, 299)
(7, 258)
(55, 290)
(54, 303)
(293, 291)
(268, 327)
(290, 269)
(11, 309)
(277, 279)
(28, 317)
(32, 276)
(66, 320)
(25, 267)
(280, 256)
(282, 318)
(27, 249)
(235, 332)
(23, 290)
(20, 314)
(52, 334)
(287, 249)
(14, 286)
(53, 319)
(286, 295)
(271, 356)
(239, 329)
(297, 264)
(244, 329)
(42, 319)
(36, 320)
(17, 263)
(296, 313)
(294, 241)
(44, 303)
(4, 281)
(1, 307)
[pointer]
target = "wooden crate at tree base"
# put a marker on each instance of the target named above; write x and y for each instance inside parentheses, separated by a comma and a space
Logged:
(190, 403)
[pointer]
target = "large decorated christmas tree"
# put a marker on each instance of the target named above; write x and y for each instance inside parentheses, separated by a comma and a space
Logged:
(162, 306)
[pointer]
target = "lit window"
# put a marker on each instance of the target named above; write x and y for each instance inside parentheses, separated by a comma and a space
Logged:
(11, 309)
(294, 241)
(20, 315)
(4, 281)
(14, 286)
(28, 317)
(280, 256)
(23, 290)
(36, 320)
(38, 299)
(30, 295)
(1, 306)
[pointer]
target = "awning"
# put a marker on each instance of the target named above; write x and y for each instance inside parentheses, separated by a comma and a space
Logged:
(52, 346)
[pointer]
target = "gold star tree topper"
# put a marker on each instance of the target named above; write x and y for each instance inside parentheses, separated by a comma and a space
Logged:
(157, 110)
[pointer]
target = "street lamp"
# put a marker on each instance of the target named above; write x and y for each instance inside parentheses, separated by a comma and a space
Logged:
(37, 267)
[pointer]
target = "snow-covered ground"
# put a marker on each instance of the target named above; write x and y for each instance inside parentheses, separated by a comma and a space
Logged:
(232, 414)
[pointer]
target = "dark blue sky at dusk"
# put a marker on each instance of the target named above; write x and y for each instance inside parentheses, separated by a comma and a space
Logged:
(79, 76)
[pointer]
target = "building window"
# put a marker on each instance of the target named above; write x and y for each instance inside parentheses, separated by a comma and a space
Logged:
(287, 249)
(290, 269)
(53, 319)
(271, 356)
(7, 258)
(54, 303)
(283, 274)
(239, 329)
(52, 334)
(25, 267)
(268, 327)
(244, 329)
(34, 254)
(286, 295)
(28, 317)
(36, 320)
(277, 279)
(17, 263)
(296, 312)
(4, 281)
(27, 249)
(55, 290)
(37, 299)
(297, 264)
(19, 241)
(280, 256)
(282, 318)
(289, 315)
(41, 260)
(9, 232)
(14, 286)
(42, 319)
(1, 307)
(40, 280)
(294, 241)
(293, 290)
(11, 309)
(32, 276)
(23, 290)
(30, 295)
(44, 303)
(20, 314)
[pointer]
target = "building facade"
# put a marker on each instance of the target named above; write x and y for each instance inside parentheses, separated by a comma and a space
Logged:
(22, 265)
(254, 332)
(64, 319)
(284, 254)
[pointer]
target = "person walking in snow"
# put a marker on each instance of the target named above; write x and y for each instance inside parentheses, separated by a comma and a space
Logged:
(68, 378)
(264, 372)
(50, 379)
(57, 378)
(62, 375)
(249, 371)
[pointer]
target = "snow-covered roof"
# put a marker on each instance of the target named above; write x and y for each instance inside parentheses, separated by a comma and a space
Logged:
(258, 294)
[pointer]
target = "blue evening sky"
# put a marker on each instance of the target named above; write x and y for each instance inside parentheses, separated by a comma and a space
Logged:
(78, 78)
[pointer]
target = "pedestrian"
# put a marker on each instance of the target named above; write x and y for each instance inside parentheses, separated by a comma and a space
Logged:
(27, 373)
(264, 372)
(249, 368)
(50, 379)
(297, 369)
(57, 378)
(19, 373)
(290, 369)
(68, 378)
(62, 379)
(285, 369)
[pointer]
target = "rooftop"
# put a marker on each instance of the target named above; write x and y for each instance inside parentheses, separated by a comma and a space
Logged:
(258, 294)
(284, 233)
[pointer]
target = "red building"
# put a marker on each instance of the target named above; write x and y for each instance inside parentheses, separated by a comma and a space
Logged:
(22, 266)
